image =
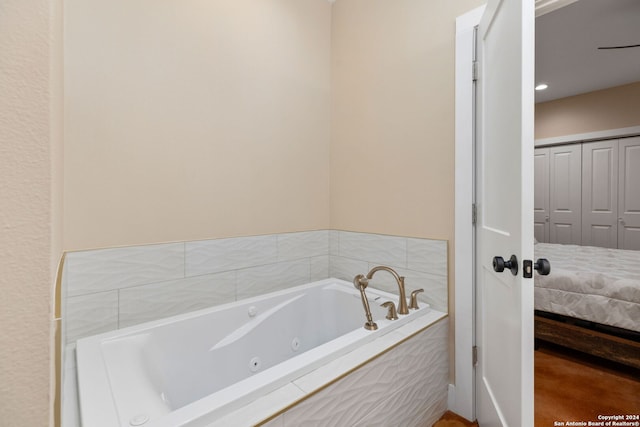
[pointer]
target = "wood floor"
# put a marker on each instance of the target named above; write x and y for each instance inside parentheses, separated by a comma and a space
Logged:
(571, 386)
(449, 419)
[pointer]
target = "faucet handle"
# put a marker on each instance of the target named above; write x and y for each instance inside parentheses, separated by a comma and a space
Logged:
(392, 314)
(413, 304)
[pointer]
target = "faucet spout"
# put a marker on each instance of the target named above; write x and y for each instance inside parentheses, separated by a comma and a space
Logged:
(402, 303)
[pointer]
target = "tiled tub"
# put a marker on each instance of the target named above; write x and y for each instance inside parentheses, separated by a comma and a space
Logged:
(108, 289)
(198, 368)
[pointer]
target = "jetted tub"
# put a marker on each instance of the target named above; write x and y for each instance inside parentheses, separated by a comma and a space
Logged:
(189, 370)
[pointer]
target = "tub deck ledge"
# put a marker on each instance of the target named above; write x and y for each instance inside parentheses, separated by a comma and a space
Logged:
(272, 404)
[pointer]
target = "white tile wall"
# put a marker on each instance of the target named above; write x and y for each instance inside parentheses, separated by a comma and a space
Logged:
(319, 267)
(272, 277)
(334, 242)
(91, 314)
(405, 387)
(302, 245)
(346, 268)
(126, 286)
(108, 269)
(213, 256)
(373, 248)
(419, 404)
(429, 256)
(150, 302)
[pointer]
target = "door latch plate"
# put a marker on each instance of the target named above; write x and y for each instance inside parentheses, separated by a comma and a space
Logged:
(527, 268)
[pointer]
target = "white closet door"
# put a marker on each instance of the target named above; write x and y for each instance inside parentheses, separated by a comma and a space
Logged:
(565, 194)
(629, 194)
(600, 194)
(541, 195)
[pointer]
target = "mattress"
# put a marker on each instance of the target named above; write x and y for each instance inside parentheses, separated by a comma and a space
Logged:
(600, 285)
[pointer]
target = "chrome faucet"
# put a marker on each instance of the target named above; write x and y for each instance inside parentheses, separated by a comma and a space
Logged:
(402, 304)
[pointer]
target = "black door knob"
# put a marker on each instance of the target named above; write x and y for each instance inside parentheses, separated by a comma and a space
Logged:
(542, 266)
(499, 264)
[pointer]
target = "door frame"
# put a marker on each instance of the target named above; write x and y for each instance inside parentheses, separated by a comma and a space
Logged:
(462, 395)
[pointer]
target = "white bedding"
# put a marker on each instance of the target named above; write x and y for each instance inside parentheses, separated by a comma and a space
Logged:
(597, 284)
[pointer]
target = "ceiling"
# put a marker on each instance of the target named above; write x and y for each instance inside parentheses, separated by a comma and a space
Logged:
(567, 41)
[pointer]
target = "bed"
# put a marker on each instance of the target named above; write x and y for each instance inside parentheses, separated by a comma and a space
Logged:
(590, 301)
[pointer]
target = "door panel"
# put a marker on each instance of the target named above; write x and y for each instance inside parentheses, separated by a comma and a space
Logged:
(565, 172)
(563, 233)
(600, 193)
(629, 194)
(541, 195)
(604, 236)
(504, 302)
(540, 230)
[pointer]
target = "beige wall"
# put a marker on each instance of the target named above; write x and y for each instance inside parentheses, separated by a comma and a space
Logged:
(393, 118)
(194, 120)
(30, 185)
(392, 148)
(612, 108)
(191, 126)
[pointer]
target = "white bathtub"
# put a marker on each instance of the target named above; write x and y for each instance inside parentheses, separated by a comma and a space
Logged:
(191, 369)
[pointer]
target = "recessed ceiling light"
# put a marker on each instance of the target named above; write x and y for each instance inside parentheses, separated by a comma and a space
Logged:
(542, 86)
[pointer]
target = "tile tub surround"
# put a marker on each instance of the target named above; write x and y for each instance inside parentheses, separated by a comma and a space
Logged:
(423, 262)
(405, 385)
(107, 289)
(399, 377)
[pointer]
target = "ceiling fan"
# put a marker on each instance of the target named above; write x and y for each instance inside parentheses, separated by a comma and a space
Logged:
(620, 47)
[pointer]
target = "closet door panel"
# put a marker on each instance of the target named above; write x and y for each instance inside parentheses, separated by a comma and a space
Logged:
(600, 193)
(541, 195)
(565, 198)
(629, 194)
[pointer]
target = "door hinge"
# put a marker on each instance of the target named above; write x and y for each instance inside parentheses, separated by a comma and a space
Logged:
(474, 71)
(474, 214)
(474, 351)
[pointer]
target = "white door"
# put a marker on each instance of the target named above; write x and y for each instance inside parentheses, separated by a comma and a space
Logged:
(629, 194)
(541, 195)
(600, 194)
(504, 185)
(565, 194)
